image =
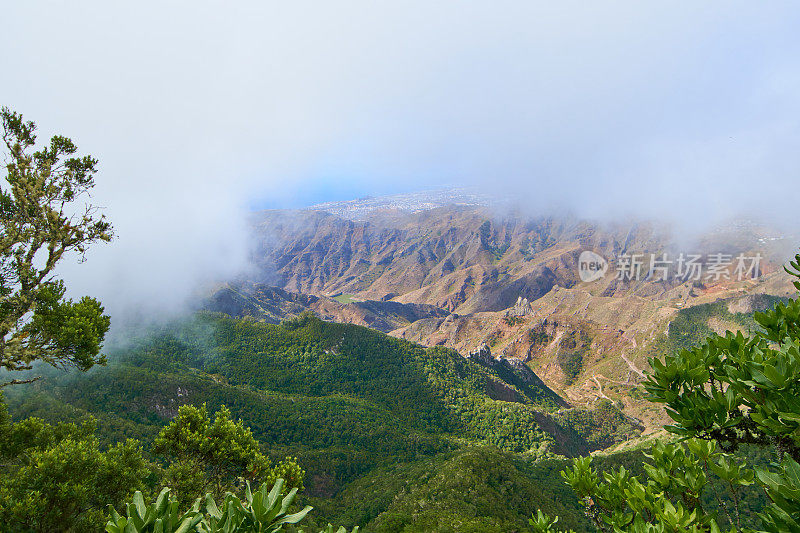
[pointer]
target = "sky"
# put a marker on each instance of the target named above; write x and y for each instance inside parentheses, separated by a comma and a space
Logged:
(200, 112)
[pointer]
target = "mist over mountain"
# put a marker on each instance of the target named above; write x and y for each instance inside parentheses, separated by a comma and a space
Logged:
(424, 262)
(445, 269)
(685, 113)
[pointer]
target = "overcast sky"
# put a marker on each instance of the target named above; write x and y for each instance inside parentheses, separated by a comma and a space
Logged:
(199, 111)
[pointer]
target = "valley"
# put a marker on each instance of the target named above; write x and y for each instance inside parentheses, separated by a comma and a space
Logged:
(434, 355)
(397, 267)
(465, 277)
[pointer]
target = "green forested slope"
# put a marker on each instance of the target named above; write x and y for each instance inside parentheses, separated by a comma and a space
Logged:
(478, 489)
(348, 402)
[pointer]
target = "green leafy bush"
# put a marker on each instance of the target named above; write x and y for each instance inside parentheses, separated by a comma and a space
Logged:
(57, 478)
(263, 511)
(162, 516)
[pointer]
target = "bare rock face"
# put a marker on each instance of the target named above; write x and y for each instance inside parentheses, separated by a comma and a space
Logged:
(483, 355)
(521, 308)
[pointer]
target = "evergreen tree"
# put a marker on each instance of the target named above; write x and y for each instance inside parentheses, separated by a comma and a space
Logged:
(41, 221)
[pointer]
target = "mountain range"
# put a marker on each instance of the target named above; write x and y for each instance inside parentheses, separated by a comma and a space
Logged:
(431, 368)
(464, 272)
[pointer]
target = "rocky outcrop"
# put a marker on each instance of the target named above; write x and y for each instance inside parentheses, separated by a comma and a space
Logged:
(522, 307)
(529, 387)
(483, 355)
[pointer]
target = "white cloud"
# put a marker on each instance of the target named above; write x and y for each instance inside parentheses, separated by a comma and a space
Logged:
(195, 110)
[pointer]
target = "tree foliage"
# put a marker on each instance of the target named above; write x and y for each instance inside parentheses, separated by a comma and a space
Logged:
(41, 222)
(670, 498)
(345, 400)
(56, 477)
(216, 455)
(59, 477)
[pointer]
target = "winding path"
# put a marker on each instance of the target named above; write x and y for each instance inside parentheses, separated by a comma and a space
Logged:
(630, 363)
(632, 366)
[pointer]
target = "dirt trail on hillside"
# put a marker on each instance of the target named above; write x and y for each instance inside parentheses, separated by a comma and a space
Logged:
(632, 366)
(600, 387)
(630, 363)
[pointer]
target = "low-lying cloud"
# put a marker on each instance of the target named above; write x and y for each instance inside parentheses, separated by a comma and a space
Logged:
(199, 112)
